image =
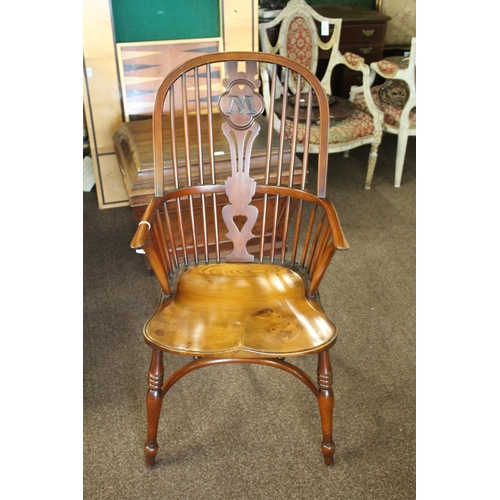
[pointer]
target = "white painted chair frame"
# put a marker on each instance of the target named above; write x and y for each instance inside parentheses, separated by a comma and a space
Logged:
(403, 131)
(352, 61)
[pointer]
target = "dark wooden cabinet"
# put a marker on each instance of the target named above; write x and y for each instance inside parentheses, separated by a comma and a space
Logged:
(363, 33)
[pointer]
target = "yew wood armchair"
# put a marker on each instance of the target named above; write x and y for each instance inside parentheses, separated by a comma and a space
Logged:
(238, 243)
(298, 39)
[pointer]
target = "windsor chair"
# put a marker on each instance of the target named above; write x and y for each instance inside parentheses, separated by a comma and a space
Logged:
(239, 259)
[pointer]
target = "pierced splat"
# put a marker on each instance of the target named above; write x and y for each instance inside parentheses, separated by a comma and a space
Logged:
(241, 104)
(240, 189)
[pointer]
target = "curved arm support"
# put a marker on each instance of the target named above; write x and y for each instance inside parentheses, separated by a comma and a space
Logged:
(339, 243)
(353, 61)
(392, 71)
(142, 231)
(377, 114)
(142, 240)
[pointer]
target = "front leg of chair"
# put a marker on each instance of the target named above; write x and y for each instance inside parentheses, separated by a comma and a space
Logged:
(154, 400)
(325, 402)
(400, 156)
(372, 161)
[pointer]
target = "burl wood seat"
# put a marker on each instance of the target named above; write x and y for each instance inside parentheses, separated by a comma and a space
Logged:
(239, 261)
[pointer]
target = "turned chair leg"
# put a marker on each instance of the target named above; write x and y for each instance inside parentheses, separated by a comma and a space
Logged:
(372, 161)
(154, 400)
(325, 402)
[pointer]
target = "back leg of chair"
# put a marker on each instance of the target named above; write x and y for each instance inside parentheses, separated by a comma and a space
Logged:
(154, 400)
(325, 402)
(400, 156)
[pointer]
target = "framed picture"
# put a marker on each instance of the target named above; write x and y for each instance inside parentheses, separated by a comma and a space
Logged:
(144, 65)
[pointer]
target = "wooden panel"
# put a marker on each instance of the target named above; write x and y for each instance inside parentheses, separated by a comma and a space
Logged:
(104, 109)
(113, 192)
(101, 74)
(240, 25)
(102, 100)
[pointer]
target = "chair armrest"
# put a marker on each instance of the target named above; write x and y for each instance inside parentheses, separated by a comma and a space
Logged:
(142, 240)
(392, 71)
(386, 69)
(140, 236)
(338, 242)
(365, 90)
(142, 231)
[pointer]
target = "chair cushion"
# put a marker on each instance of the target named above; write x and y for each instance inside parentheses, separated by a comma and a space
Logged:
(392, 114)
(240, 310)
(358, 125)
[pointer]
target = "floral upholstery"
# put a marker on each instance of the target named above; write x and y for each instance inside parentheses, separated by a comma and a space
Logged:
(392, 115)
(299, 42)
(300, 48)
(388, 68)
(356, 126)
(353, 60)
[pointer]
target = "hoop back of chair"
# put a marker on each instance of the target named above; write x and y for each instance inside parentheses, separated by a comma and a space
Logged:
(217, 95)
(228, 187)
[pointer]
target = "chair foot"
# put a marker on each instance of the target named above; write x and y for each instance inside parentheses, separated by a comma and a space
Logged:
(400, 156)
(328, 450)
(326, 402)
(150, 451)
(154, 401)
(372, 161)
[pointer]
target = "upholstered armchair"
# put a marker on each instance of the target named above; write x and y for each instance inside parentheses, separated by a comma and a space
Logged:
(298, 39)
(396, 98)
